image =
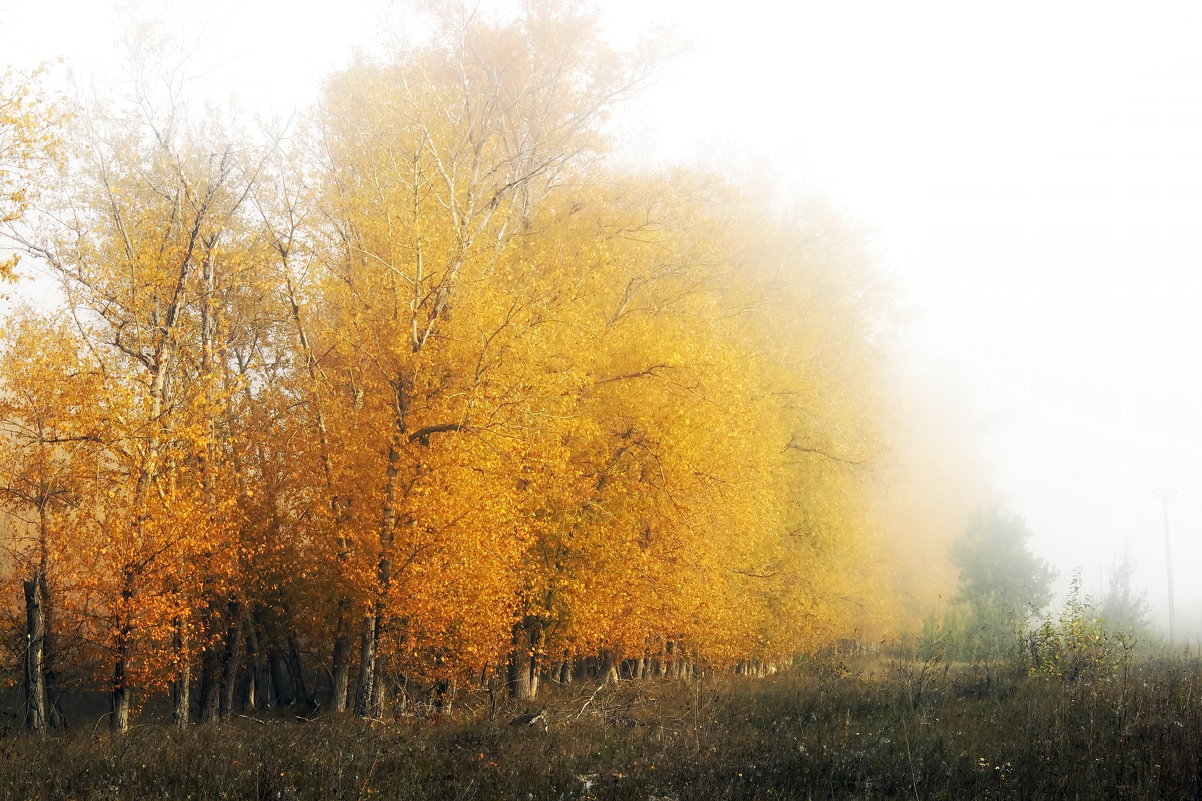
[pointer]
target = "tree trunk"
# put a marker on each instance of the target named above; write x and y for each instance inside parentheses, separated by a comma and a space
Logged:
(523, 668)
(281, 686)
(296, 668)
(231, 659)
(609, 667)
(340, 663)
(254, 667)
(444, 696)
(340, 660)
(181, 688)
(369, 641)
(365, 689)
(35, 665)
(518, 675)
(120, 691)
(671, 660)
(210, 681)
(123, 651)
(54, 711)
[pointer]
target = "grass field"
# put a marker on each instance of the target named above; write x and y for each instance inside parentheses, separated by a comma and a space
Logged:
(827, 730)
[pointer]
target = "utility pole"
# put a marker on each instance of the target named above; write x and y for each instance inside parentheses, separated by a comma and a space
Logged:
(1168, 566)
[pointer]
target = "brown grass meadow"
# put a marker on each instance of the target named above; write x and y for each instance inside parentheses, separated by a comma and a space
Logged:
(825, 729)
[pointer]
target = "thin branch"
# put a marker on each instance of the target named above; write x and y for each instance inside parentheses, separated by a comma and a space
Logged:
(649, 372)
(422, 435)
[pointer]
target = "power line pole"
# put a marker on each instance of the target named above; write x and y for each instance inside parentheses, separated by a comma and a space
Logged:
(1168, 566)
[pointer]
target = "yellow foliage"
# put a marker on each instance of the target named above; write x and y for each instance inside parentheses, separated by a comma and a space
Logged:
(442, 382)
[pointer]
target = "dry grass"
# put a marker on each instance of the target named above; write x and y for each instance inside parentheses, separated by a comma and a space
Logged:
(885, 730)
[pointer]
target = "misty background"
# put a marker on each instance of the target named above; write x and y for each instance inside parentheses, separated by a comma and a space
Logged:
(1029, 175)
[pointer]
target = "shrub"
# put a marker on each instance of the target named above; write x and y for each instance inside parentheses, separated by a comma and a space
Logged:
(1075, 645)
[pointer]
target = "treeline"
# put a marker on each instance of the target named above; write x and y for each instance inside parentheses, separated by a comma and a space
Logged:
(424, 391)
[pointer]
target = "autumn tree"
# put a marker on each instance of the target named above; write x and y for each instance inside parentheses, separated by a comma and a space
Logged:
(51, 436)
(143, 227)
(435, 163)
(709, 432)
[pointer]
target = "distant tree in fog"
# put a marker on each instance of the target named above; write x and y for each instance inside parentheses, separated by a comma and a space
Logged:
(1002, 584)
(1123, 609)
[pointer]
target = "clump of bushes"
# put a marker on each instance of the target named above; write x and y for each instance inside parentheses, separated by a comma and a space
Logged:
(1077, 644)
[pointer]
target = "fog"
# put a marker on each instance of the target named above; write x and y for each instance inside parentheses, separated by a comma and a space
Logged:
(1034, 183)
(1030, 176)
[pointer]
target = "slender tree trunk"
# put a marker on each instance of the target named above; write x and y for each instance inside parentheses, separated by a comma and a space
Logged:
(231, 659)
(254, 667)
(369, 641)
(281, 685)
(340, 659)
(210, 679)
(181, 688)
(340, 664)
(41, 711)
(210, 672)
(365, 689)
(210, 707)
(123, 651)
(671, 660)
(120, 697)
(123, 641)
(444, 696)
(54, 712)
(35, 666)
(296, 667)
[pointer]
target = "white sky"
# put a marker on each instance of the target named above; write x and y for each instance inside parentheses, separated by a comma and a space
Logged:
(1032, 170)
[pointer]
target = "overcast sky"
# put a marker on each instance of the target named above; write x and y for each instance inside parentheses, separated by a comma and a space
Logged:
(1032, 173)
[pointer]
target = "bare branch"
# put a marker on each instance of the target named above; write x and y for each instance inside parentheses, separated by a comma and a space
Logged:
(649, 372)
(422, 435)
